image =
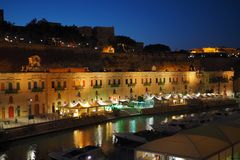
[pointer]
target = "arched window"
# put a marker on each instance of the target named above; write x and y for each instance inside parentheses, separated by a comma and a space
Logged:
(131, 90)
(36, 98)
(114, 91)
(79, 94)
(10, 99)
(59, 95)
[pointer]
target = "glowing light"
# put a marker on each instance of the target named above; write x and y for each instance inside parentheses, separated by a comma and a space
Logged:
(31, 154)
(3, 156)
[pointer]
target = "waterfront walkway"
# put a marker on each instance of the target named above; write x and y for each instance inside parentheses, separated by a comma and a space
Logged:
(22, 121)
(22, 128)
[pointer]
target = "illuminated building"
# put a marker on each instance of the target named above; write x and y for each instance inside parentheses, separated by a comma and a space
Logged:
(35, 93)
(108, 49)
(214, 50)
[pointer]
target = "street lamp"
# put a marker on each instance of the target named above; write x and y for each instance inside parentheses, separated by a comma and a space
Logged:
(30, 116)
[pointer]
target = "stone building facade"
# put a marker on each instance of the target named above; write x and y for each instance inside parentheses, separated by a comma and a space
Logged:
(35, 93)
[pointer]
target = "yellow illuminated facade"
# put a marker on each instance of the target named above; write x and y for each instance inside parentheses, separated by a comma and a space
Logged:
(32, 93)
(108, 49)
(214, 50)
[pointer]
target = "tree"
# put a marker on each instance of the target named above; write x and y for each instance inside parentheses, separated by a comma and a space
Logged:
(154, 48)
(123, 44)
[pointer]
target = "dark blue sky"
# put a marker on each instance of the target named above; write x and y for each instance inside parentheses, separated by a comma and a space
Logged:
(181, 24)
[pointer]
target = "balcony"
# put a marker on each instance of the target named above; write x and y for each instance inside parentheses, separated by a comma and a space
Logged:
(131, 84)
(59, 88)
(37, 89)
(161, 83)
(147, 84)
(115, 85)
(97, 86)
(78, 87)
(11, 91)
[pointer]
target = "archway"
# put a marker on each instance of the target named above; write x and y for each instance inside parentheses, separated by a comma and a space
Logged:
(11, 112)
(3, 112)
(36, 109)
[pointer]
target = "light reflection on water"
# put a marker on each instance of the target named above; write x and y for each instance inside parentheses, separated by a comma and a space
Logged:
(102, 135)
(3, 156)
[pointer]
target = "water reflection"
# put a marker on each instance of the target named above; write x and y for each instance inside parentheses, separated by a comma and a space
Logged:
(31, 153)
(3, 156)
(39, 147)
(149, 122)
(132, 125)
(98, 135)
(81, 138)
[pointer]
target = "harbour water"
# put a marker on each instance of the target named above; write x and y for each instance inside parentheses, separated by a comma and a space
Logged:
(37, 148)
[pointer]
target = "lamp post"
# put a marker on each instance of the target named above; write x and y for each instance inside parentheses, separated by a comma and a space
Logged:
(30, 116)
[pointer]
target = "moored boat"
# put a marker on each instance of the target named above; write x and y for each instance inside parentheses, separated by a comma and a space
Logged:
(85, 153)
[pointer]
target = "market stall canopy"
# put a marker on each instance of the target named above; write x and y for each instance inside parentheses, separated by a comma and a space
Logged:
(185, 146)
(197, 143)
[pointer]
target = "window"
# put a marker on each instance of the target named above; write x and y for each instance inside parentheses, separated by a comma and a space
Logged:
(43, 108)
(96, 82)
(156, 80)
(114, 81)
(2, 86)
(146, 89)
(10, 100)
(126, 81)
(35, 85)
(59, 95)
(135, 81)
(131, 81)
(43, 85)
(83, 83)
(18, 85)
(142, 80)
(131, 91)
(64, 84)
(36, 97)
(10, 87)
(119, 82)
(29, 85)
(163, 80)
(91, 82)
(100, 82)
(114, 91)
(58, 84)
(79, 94)
(109, 82)
(185, 86)
(170, 80)
(150, 80)
(53, 84)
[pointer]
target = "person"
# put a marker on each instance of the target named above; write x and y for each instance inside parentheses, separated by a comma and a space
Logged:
(16, 120)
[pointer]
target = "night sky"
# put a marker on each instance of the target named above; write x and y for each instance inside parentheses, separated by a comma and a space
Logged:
(181, 24)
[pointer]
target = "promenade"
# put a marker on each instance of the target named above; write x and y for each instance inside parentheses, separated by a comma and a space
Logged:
(24, 128)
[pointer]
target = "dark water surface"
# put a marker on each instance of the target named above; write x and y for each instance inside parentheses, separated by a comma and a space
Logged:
(39, 147)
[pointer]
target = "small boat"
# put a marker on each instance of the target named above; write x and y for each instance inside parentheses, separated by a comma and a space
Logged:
(85, 153)
(167, 128)
(129, 137)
